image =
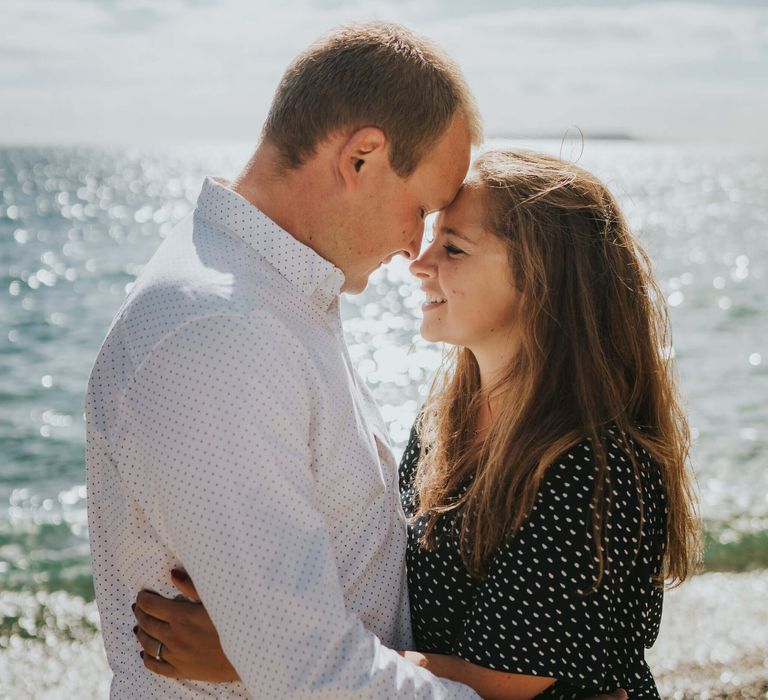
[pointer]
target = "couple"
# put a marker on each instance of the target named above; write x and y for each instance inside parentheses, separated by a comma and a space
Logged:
(234, 454)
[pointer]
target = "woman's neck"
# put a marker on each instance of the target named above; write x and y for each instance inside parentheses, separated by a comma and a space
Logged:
(491, 399)
(493, 358)
(493, 367)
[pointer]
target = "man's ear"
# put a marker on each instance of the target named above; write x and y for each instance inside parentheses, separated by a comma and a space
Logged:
(364, 151)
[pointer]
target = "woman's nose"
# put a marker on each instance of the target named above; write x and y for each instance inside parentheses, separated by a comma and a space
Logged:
(421, 266)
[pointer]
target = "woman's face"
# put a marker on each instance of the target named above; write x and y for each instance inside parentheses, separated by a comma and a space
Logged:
(471, 300)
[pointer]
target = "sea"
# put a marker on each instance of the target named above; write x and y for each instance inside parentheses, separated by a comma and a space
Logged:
(77, 225)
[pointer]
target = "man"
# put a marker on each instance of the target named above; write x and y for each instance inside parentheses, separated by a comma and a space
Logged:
(227, 431)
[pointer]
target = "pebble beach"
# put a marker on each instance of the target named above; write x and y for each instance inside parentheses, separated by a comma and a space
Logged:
(713, 643)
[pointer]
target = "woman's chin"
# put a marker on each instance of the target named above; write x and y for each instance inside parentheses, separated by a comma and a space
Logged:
(430, 333)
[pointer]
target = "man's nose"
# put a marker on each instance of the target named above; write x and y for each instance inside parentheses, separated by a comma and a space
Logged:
(414, 247)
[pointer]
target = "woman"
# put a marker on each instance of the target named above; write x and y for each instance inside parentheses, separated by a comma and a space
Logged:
(546, 481)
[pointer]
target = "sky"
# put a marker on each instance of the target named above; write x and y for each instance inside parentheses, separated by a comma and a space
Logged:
(179, 71)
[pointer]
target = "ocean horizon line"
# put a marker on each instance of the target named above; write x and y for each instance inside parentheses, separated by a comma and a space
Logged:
(569, 135)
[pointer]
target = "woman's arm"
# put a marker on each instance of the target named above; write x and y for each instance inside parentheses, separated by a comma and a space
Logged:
(487, 683)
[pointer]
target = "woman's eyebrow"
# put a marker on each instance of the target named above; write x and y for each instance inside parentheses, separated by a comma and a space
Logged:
(448, 231)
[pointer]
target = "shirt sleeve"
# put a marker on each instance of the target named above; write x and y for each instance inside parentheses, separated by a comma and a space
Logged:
(215, 449)
(534, 613)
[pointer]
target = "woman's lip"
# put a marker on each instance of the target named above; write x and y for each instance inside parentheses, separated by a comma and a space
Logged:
(428, 305)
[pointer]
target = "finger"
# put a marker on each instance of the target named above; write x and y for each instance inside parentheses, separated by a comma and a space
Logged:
(159, 607)
(415, 658)
(160, 667)
(151, 625)
(150, 644)
(183, 582)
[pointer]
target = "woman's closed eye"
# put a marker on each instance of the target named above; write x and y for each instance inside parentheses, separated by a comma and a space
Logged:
(453, 250)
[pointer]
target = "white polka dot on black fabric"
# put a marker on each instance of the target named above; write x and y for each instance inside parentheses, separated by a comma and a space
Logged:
(529, 614)
(228, 433)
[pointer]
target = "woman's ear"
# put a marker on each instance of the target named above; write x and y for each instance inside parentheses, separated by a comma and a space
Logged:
(364, 152)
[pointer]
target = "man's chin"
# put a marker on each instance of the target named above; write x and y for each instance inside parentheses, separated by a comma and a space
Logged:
(355, 286)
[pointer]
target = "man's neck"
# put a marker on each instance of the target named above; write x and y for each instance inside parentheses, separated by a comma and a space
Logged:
(273, 192)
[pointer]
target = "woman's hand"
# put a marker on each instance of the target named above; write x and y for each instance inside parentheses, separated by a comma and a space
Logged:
(415, 657)
(190, 644)
(488, 683)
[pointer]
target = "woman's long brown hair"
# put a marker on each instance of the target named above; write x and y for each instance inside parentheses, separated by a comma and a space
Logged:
(595, 352)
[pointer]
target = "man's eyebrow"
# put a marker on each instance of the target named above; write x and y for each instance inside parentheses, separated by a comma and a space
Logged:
(448, 231)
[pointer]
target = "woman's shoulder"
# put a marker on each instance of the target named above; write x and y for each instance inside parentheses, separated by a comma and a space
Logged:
(616, 449)
(616, 466)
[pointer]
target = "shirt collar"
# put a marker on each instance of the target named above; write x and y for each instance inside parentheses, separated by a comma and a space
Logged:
(315, 276)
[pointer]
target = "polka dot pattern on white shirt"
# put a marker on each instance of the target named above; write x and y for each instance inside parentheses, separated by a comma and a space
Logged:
(527, 614)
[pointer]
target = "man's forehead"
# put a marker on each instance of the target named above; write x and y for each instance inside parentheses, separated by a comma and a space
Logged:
(448, 185)
(449, 195)
(443, 169)
(453, 149)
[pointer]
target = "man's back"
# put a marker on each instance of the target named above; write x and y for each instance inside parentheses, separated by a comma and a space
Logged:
(228, 434)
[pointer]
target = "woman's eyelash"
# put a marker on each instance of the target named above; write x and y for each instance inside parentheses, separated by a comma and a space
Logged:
(453, 250)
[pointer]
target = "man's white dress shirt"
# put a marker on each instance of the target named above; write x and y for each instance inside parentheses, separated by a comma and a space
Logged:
(228, 433)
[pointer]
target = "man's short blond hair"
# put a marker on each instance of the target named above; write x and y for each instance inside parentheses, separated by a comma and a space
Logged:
(370, 74)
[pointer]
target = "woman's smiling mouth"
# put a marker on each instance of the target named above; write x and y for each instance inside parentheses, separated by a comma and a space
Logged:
(433, 301)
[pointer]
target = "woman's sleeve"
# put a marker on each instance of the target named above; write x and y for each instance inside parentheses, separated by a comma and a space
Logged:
(534, 613)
